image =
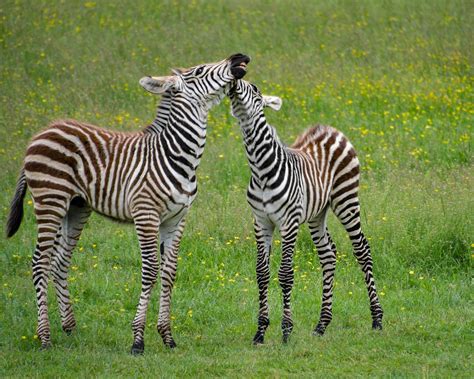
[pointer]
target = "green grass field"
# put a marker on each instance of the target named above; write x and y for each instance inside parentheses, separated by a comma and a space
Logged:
(395, 77)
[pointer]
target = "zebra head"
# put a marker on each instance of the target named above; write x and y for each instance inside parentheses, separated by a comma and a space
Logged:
(247, 102)
(204, 84)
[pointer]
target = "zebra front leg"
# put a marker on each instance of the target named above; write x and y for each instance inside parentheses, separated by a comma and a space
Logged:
(49, 215)
(263, 235)
(286, 277)
(65, 242)
(147, 224)
(170, 235)
(327, 258)
(351, 222)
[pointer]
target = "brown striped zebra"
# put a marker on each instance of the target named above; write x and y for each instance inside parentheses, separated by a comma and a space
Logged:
(147, 177)
(294, 185)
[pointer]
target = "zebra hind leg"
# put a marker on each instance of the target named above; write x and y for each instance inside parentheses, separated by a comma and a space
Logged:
(350, 219)
(50, 212)
(64, 244)
(327, 258)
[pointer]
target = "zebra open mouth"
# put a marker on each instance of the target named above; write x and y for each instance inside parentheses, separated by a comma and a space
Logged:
(238, 66)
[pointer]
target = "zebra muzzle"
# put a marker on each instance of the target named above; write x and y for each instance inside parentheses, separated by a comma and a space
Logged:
(238, 67)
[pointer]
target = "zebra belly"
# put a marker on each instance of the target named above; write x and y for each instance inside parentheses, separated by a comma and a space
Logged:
(120, 212)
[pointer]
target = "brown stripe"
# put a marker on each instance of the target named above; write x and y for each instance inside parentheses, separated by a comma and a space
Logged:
(39, 167)
(348, 175)
(33, 183)
(345, 189)
(50, 152)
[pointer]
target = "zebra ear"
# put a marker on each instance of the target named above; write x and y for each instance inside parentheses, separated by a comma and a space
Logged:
(273, 102)
(160, 84)
(178, 71)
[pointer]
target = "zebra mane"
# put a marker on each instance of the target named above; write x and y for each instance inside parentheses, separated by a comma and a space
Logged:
(311, 135)
(162, 113)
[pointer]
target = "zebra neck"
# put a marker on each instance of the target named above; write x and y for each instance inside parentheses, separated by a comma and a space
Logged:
(184, 134)
(263, 146)
(162, 114)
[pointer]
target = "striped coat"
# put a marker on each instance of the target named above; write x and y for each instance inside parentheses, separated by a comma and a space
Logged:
(146, 177)
(295, 185)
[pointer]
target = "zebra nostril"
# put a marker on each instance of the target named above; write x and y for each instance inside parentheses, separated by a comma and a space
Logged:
(238, 56)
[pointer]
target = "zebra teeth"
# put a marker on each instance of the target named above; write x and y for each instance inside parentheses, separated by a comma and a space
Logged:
(243, 65)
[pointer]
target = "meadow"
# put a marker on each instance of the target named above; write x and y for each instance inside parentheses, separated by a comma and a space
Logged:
(395, 76)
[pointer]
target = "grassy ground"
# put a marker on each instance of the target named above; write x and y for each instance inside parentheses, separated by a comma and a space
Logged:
(396, 77)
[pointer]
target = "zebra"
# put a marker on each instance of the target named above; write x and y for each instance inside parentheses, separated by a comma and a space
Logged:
(146, 177)
(290, 186)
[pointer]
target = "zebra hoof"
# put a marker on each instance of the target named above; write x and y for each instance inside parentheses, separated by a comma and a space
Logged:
(319, 330)
(258, 339)
(69, 326)
(377, 325)
(137, 348)
(170, 344)
(46, 346)
(286, 328)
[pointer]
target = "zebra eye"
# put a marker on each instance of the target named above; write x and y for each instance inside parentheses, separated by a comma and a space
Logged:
(199, 70)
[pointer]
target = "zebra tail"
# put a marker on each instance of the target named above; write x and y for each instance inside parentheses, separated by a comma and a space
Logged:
(16, 207)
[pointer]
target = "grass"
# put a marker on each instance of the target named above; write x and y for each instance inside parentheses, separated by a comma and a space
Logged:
(395, 77)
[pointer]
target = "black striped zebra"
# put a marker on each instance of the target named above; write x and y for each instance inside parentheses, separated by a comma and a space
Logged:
(295, 185)
(146, 177)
